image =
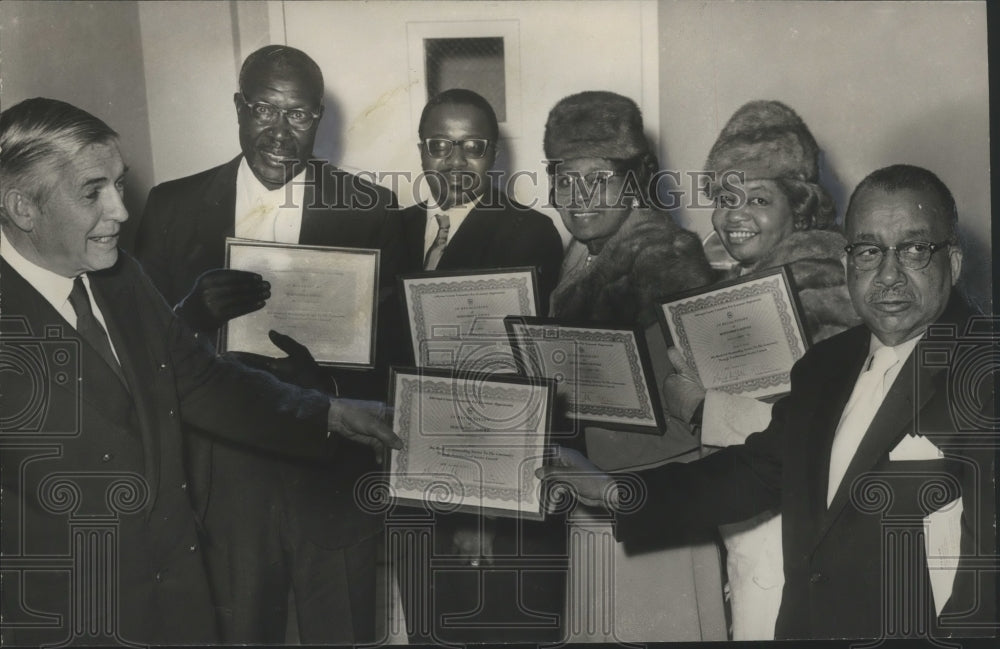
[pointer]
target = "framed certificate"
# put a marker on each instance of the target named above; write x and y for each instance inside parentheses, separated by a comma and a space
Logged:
(471, 442)
(323, 297)
(741, 336)
(456, 318)
(602, 374)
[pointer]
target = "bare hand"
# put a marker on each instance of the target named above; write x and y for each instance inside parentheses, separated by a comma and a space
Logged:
(682, 391)
(571, 470)
(298, 367)
(364, 422)
(220, 295)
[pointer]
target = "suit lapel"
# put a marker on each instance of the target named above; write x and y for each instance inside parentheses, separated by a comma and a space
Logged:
(219, 219)
(414, 225)
(118, 303)
(893, 420)
(20, 299)
(464, 248)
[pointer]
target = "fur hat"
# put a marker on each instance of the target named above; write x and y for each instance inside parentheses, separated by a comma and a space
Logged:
(594, 124)
(766, 139)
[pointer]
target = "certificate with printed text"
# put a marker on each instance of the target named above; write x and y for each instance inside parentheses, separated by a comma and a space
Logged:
(742, 336)
(603, 374)
(471, 442)
(456, 319)
(323, 297)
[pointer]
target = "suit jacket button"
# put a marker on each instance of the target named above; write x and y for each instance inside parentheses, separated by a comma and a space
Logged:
(817, 577)
(158, 577)
(172, 413)
(184, 485)
(193, 547)
(106, 457)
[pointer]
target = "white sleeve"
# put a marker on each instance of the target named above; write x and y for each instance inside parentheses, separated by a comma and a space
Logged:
(727, 419)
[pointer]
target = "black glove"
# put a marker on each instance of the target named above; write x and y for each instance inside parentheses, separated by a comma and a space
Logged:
(298, 368)
(219, 296)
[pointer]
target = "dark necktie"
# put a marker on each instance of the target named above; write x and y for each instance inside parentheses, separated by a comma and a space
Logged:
(89, 327)
(437, 248)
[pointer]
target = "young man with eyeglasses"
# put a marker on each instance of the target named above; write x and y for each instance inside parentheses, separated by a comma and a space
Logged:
(469, 223)
(272, 525)
(507, 579)
(881, 459)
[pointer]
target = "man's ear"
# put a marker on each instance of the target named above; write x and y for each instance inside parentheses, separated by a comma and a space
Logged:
(20, 209)
(238, 102)
(955, 258)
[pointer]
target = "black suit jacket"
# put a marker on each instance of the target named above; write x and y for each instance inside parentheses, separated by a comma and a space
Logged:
(497, 233)
(182, 235)
(835, 559)
(81, 445)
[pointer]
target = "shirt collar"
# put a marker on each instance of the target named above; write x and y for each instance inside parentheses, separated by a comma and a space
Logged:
(54, 287)
(902, 350)
(253, 189)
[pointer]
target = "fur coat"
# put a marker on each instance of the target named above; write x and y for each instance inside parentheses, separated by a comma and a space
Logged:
(650, 257)
(815, 258)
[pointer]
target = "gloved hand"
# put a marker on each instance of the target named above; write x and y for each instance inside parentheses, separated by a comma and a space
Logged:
(298, 367)
(220, 295)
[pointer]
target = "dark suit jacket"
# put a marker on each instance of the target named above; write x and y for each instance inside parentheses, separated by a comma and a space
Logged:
(92, 447)
(835, 559)
(497, 233)
(183, 234)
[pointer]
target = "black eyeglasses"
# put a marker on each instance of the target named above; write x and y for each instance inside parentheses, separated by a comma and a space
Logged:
(441, 147)
(914, 255)
(265, 114)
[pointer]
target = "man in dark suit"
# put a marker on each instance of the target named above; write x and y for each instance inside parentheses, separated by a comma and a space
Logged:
(486, 228)
(472, 225)
(881, 459)
(100, 542)
(276, 526)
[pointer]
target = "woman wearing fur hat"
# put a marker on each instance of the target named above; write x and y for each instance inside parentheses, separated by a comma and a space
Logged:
(783, 217)
(624, 256)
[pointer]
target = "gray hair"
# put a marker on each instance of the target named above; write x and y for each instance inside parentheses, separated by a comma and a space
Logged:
(41, 133)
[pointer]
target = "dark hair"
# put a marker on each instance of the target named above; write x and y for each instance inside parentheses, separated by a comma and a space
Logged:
(902, 177)
(811, 205)
(279, 58)
(43, 132)
(461, 97)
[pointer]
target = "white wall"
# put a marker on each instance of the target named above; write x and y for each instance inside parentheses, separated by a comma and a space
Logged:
(565, 48)
(877, 84)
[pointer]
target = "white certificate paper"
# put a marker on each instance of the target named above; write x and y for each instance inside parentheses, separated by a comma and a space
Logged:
(602, 374)
(742, 336)
(323, 297)
(456, 319)
(470, 442)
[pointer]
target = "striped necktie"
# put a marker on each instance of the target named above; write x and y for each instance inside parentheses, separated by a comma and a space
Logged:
(437, 248)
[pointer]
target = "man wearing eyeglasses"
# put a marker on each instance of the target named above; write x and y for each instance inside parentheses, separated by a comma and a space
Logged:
(469, 223)
(273, 525)
(880, 460)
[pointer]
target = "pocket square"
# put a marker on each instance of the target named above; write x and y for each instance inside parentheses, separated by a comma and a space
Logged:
(915, 447)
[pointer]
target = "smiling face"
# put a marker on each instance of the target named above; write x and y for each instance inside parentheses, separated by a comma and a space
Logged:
(898, 303)
(276, 152)
(750, 231)
(591, 199)
(74, 228)
(457, 178)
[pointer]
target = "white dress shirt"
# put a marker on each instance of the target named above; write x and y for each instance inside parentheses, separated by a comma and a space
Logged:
(53, 287)
(266, 214)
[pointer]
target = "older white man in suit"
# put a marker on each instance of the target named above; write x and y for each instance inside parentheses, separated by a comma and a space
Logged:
(100, 540)
(879, 462)
(278, 526)
(470, 224)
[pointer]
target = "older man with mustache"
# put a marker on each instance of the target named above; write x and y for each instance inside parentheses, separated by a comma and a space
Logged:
(881, 459)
